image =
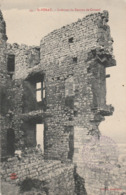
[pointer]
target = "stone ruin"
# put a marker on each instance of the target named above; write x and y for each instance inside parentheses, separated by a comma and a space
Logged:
(60, 88)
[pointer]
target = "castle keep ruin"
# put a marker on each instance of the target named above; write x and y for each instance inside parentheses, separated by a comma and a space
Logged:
(58, 87)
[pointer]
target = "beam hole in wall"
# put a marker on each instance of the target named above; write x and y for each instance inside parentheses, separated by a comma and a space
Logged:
(70, 40)
(88, 70)
(70, 118)
(75, 113)
(75, 59)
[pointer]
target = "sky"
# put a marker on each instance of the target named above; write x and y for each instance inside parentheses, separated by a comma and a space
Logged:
(26, 25)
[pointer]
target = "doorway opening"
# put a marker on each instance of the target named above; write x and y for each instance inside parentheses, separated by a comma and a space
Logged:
(40, 136)
(10, 142)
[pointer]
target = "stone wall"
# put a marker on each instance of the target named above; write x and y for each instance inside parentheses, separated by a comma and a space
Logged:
(72, 62)
(84, 35)
(58, 177)
(19, 92)
(3, 82)
(26, 57)
(3, 38)
(99, 182)
(75, 84)
(104, 167)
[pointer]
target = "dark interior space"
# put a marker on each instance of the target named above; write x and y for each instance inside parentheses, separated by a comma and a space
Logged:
(70, 131)
(29, 129)
(11, 63)
(10, 142)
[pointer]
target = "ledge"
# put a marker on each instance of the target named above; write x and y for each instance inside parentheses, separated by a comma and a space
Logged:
(35, 115)
(106, 59)
(106, 110)
(103, 56)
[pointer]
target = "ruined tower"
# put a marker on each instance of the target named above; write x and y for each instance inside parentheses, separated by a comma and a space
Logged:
(70, 65)
(59, 86)
(76, 84)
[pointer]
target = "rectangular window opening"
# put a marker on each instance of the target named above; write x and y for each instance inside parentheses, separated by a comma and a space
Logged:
(11, 63)
(40, 91)
(38, 85)
(38, 96)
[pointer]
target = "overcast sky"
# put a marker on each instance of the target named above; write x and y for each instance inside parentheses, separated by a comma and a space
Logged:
(28, 27)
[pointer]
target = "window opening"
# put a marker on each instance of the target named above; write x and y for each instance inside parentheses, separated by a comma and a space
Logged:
(11, 63)
(40, 91)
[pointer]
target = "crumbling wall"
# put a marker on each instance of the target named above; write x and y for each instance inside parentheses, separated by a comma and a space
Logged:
(26, 57)
(86, 34)
(72, 61)
(102, 181)
(58, 178)
(3, 39)
(76, 82)
(3, 84)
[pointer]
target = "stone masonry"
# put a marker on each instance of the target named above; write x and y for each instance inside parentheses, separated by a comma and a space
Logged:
(71, 64)
(57, 177)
